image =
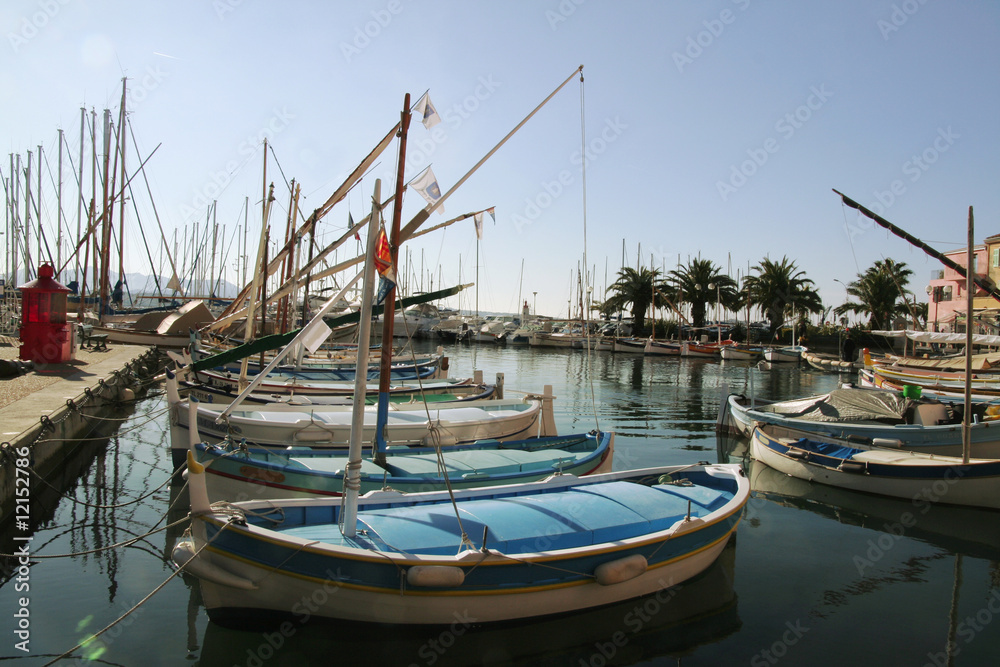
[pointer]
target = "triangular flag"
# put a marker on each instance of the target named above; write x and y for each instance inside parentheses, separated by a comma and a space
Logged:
(350, 225)
(426, 111)
(426, 184)
(493, 213)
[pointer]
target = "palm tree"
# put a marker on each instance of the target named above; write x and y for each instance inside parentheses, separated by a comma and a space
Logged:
(880, 293)
(700, 283)
(780, 290)
(633, 287)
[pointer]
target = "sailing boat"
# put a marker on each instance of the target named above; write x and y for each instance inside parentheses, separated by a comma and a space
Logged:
(553, 546)
(953, 480)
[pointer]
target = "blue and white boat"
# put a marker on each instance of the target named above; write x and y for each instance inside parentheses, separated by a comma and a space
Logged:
(236, 471)
(873, 417)
(510, 552)
(922, 478)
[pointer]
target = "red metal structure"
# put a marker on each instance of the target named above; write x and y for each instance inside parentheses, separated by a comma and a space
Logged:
(45, 335)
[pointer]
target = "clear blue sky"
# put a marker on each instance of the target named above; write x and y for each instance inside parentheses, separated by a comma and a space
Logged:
(715, 128)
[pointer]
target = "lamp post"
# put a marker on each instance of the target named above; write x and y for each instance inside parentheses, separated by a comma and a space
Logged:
(718, 327)
(534, 304)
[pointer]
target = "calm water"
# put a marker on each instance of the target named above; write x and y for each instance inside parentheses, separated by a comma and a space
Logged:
(815, 576)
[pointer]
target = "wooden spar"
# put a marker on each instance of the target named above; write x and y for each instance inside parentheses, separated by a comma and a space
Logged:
(405, 233)
(255, 283)
(951, 264)
(348, 263)
(424, 213)
(233, 313)
(967, 421)
(385, 360)
(315, 217)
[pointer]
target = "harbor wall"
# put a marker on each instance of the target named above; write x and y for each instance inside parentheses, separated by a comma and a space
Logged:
(60, 430)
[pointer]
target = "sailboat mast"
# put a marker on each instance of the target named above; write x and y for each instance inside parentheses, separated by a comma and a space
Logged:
(969, 293)
(59, 233)
(79, 201)
(121, 210)
(389, 309)
(352, 473)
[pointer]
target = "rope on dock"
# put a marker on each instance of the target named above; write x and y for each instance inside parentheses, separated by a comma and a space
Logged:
(180, 568)
(152, 417)
(119, 545)
(100, 507)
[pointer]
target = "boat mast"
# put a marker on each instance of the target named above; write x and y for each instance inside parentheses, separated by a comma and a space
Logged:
(352, 472)
(59, 234)
(967, 422)
(389, 309)
(121, 209)
(79, 201)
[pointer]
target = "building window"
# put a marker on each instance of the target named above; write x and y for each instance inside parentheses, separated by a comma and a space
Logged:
(995, 257)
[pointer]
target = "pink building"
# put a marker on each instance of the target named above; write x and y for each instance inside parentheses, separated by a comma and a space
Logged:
(946, 291)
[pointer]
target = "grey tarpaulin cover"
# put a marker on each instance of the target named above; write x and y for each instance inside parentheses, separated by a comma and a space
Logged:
(845, 405)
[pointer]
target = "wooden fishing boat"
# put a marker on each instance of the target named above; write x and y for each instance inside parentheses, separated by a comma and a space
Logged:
(738, 352)
(505, 553)
(879, 470)
(787, 354)
(329, 426)
(871, 416)
(632, 345)
(236, 471)
(662, 347)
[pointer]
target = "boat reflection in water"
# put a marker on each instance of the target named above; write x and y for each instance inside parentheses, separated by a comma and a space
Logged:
(961, 530)
(671, 623)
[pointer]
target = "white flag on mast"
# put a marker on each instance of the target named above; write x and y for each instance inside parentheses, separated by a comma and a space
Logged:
(426, 184)
(424, 108)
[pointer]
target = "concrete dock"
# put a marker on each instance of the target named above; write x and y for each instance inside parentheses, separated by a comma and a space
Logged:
(49, 409)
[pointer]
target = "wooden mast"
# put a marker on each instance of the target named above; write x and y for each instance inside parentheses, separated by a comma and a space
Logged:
(969, 293)
(389, 309)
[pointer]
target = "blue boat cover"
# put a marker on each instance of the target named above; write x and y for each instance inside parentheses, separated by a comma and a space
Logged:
(576, 517)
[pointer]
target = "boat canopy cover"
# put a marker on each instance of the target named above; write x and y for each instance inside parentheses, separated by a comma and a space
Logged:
(845, 405)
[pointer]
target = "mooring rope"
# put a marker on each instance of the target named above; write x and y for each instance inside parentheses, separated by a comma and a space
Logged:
(180, 568)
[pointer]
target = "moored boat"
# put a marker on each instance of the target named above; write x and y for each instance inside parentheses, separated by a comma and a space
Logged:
(239, 472)
(873, 417)
(514, 552)
(883, 471)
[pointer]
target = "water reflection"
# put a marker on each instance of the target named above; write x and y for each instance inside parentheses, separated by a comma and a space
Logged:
(670, 623)
(960, 530)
